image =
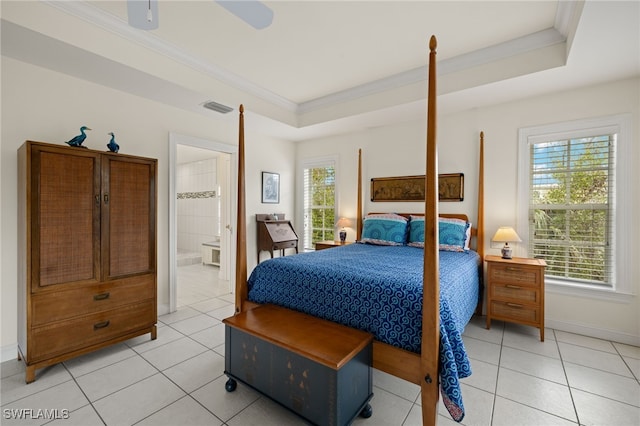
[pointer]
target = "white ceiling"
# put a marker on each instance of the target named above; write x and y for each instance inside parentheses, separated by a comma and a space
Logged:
(324, 67)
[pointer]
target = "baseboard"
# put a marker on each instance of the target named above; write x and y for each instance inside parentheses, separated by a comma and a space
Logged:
(9, 352)
(599, 333)
(163, 309)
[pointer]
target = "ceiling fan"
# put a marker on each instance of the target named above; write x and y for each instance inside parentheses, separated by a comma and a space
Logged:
(143, 14)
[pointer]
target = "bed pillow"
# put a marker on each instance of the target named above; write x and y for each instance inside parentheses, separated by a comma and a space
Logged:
(453, 234)
(386, 229)
(416, 231)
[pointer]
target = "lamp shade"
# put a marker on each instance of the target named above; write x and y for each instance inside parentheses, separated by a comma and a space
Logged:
(506, 234)
(343, 222)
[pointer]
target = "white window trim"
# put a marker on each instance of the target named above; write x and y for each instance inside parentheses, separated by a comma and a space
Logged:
(316, 162)
(621, 124)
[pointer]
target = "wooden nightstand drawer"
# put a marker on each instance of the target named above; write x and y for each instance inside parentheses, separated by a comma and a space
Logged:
(515, 274)
(516, 292)
(514, 311)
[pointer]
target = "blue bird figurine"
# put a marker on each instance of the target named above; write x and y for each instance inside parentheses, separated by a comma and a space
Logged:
(112, 145)
(77, 140)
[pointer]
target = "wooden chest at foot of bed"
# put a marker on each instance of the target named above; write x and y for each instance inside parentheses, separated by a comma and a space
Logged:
(316, 368)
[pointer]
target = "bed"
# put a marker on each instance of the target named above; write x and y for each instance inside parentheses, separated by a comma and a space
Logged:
(424, 349)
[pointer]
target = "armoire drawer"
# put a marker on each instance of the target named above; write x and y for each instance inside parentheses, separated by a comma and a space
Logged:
(66, 336)
(60, 305)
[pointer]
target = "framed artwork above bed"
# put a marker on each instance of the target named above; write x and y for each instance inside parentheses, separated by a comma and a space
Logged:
(411, 188)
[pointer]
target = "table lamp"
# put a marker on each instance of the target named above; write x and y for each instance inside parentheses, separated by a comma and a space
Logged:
(506, 235)
(342, 223)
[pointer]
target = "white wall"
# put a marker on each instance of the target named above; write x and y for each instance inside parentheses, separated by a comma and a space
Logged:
(42, 105)
(400, 151)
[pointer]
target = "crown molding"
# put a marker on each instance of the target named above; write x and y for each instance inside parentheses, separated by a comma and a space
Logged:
(96, 16)
(551, 36)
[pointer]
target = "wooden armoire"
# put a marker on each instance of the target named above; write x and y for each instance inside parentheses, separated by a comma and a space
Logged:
(87, 251)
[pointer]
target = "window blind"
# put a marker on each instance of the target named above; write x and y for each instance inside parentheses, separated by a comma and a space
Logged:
(571, 207)
(319, 204)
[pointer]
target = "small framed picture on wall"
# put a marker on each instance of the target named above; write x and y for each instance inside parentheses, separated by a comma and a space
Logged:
(270, 188)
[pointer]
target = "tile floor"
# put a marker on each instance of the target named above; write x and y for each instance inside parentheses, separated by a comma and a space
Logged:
(178, 380)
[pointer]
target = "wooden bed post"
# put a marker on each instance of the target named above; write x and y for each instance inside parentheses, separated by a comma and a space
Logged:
(359, 205)
(241, 224)
(431, 288)
(480, 225)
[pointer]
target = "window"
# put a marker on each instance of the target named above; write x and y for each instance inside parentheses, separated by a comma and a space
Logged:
(319, 203)
(569, 191)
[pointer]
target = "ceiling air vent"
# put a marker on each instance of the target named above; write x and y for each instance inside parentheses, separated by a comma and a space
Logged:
(214, 106)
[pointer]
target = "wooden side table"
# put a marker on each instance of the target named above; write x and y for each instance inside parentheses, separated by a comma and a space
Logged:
(515, 291)
(321, 245)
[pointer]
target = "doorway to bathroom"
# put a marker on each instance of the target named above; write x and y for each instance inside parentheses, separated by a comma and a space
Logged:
(201, 220)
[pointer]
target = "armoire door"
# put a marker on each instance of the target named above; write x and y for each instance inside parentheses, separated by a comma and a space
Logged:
(128, 216)
(65, 222)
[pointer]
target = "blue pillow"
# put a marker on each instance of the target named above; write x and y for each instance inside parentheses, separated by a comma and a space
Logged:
(384, 229)
(416, 231)
(453, 234)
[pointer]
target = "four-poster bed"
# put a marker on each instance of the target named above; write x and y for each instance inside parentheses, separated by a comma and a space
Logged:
(420, 364)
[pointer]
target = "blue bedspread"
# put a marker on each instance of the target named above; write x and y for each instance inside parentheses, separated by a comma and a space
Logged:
(379, 289)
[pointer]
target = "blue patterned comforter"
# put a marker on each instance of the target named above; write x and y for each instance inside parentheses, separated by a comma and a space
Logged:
(379, 289)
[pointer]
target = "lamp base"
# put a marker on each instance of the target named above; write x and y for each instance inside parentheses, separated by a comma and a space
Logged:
(506, 252)
(343, 236)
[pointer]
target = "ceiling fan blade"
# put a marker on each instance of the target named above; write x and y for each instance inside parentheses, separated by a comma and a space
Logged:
(143, 14)
(254, 13)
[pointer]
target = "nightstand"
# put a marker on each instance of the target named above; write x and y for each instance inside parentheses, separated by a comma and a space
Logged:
(321, 245)
(515, 291)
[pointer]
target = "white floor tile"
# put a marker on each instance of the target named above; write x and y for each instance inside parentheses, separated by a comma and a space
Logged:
(533, 364)
(510, 413)
(173, 353)
(166, 334)
(194, 324)
(210, 304)
(593, 358)
(56, 399)
(211, 337)
(14, 387)
(197, 371)
(585, 341)
(388, 409)
(537, 393)
(594, 410)
(265, 412)
(101, 358)
(183, 412)
(221, 403)
(483, 351)
(634, 366)
(477, 328)
(179, 315)
(114, 377)
(484, 376)
(531, 343)
(136, 402)
(223, 312)
(628, 350)
(609, 385)
(84, 416)
(396, 386)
